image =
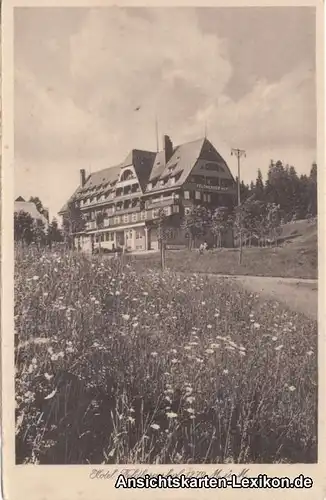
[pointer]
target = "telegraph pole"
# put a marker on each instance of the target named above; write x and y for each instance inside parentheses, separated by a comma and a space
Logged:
(239, 153)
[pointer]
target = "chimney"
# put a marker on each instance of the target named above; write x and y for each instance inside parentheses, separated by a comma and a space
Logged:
(168, 148)
(82, 177)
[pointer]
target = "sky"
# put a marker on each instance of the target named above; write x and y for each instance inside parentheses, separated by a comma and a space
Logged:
(247, 74)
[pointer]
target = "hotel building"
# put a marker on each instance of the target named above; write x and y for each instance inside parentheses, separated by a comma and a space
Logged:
(121, 204)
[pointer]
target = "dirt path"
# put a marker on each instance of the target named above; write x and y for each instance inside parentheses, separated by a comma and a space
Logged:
(299, 295)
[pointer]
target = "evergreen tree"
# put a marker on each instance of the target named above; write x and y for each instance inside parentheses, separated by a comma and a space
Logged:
(259, 186)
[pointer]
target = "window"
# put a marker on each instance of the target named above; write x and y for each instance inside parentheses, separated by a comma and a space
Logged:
(172, 180)
(187, 210)
(197, 195)
(134, 217)
(116, 220)
(176, 209)
(155, 213)
(125, 218)
(207, 197)
(187, 195)
(107, 237)
(150, 185)
(126, 175)
(143, 215)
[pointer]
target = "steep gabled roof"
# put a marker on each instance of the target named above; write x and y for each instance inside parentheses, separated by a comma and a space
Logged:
(107, 175)
(143, 163)
(182, 161)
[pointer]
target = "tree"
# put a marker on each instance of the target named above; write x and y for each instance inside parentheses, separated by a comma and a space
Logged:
(23, 227)
(39, 205)
(221, 222)
(312, 208)
(54, 233)
(259, 186)
(163, 234)
(73, 222)
(196, 222)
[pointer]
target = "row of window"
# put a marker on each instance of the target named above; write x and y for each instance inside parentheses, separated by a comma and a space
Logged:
(110, 236)
(109, 196)
(168, 181)
(206, 197)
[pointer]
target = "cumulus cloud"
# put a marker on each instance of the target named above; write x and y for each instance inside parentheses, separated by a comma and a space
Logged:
(76, 90)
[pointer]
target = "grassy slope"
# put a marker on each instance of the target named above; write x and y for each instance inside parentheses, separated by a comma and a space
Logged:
(297, 257)
(120, 367)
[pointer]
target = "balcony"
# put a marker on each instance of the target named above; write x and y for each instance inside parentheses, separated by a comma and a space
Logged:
(161, 202)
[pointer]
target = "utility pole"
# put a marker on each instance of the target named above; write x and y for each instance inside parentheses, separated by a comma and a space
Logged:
(238, 153)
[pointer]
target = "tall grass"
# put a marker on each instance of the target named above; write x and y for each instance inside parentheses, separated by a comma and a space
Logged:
(113, 366)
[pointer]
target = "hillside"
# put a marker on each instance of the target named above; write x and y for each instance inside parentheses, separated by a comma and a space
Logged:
(296, 257)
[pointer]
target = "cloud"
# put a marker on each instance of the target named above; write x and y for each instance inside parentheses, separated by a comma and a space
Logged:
(76, 90)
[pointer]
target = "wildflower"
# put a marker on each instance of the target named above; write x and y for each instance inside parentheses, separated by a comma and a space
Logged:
(131, 420)
(274, 338)
(155, 427)
(187, 347)
(117, 293)
(291, 388)
(203, 303)
(257, 326)
(225, 372)
(199, 360)
(190, 410)
(171, 414)
(47, 376)
(135, 325)
(209, 351)
(174, 361)
(190, 399)
(154, 354)
(50, 396)
(251, 315)
(35, 278)
(126, 317)
(209, 327)
(310, 353)
(145, 293)
(188, 390)
(279, 347)
(216, 315)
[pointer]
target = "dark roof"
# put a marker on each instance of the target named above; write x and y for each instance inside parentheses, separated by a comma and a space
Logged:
(149, 166)
(182, 161)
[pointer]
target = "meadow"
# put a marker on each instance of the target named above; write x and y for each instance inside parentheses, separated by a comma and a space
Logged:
(119, 366)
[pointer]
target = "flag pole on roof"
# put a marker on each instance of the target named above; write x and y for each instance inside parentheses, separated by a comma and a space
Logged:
(205, 131)
(156, 132)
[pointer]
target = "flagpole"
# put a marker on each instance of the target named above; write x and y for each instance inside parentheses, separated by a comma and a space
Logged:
(156, 132)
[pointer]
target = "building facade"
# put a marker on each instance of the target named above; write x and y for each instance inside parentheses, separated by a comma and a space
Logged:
(30, 208)
(121, 204)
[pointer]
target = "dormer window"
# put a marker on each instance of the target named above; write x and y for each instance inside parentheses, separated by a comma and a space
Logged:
(127, 175)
